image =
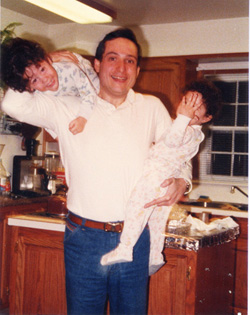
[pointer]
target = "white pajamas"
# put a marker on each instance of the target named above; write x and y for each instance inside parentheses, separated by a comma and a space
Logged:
(77, 80)
(166, 158)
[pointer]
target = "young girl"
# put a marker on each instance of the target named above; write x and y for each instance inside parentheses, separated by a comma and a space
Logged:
(27, 67)
(177, 145)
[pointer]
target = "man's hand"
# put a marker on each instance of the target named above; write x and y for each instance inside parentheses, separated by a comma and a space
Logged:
(63, 55)
(176, 189)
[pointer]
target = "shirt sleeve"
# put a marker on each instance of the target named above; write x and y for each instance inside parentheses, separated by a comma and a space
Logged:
(164, 122)
(187, 140)
(174, 136)
(39, 109)
(189, 148)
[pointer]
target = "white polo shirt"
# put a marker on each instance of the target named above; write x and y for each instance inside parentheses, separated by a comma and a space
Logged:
(104, 162)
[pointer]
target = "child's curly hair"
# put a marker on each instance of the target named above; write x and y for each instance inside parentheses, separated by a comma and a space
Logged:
(211, 95)
(16, 55)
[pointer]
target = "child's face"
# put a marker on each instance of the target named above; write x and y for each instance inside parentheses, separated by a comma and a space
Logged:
(42, 77)
(200, 116)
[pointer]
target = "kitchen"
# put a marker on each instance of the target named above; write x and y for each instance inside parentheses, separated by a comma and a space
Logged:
(227, 35)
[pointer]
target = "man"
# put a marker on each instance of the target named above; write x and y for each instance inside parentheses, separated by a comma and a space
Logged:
(103, 164)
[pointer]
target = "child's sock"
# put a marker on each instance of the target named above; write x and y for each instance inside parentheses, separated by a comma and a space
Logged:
(120, 254)
(153, 268)
(156, 261)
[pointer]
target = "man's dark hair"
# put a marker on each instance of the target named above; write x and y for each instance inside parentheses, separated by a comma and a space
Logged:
(211, 95)
(16, 55)
(119, 33)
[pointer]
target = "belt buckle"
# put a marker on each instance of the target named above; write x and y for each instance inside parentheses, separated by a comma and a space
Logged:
(111, 227)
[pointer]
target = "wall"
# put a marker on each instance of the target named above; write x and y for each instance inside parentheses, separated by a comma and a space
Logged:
(190, 38)
(12, 147)
(31, 28)
(215, 36)
(174, 39)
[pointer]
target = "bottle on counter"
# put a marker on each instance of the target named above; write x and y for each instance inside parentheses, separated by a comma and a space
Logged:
(5, 187)
(35, 175)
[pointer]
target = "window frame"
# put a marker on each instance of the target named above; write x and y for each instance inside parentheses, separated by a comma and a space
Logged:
(206, 152)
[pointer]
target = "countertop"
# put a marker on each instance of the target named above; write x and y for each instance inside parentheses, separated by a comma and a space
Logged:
(38, 221)
(193, 241)
(6, 201)
(12, 202)
(216, 211)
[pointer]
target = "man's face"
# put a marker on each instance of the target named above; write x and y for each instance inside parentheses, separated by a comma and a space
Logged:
(42, 77)
(118, 70)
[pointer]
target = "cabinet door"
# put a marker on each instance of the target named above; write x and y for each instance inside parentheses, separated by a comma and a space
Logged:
(165, 77)
(5, 244)
(168, 287)
(37, 272)
(241, 283)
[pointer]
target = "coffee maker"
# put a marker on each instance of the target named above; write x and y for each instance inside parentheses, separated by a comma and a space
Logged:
(29, 175)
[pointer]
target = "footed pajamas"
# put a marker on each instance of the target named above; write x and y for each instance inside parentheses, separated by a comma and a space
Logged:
(177, 146)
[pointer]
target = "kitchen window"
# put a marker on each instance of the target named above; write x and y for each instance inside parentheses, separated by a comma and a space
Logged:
(224, 156)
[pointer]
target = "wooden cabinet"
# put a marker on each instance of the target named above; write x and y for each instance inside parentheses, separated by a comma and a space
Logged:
(5, 253)
(165, 77)
(194, 282)
(37, 284)
(209, 281)
(241, 285)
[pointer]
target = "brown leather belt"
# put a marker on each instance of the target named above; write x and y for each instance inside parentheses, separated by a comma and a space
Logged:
(105, 226)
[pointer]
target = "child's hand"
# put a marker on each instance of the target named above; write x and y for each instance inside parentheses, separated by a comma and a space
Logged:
(63, 55)
(189, 104)
(77, 125)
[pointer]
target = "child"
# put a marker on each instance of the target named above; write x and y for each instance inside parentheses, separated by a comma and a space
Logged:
(176, 146)
(27, 67)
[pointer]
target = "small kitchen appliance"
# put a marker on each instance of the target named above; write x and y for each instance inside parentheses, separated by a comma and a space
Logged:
(29, 176)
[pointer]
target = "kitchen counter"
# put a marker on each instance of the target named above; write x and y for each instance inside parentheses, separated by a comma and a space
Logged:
(12, 202)
(38, 221)
(6, 201)
(196, 240)
(215, 211)
(34, 220)
(192, 241)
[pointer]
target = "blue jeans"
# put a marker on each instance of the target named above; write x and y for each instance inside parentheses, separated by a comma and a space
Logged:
(89, 284)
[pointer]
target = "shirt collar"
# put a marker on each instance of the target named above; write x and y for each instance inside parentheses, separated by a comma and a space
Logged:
(110, 107)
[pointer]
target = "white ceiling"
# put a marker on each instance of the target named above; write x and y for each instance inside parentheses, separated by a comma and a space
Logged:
(146, 12)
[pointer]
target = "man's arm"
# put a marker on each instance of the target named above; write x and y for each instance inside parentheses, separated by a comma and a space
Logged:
(28, 107)
(39, 109)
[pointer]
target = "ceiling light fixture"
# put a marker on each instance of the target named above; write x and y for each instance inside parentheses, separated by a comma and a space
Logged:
(79, 11)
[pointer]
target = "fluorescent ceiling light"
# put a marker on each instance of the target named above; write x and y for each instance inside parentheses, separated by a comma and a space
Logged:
(82, 11)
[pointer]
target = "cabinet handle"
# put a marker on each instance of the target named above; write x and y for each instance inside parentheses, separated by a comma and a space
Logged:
(188, 273)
